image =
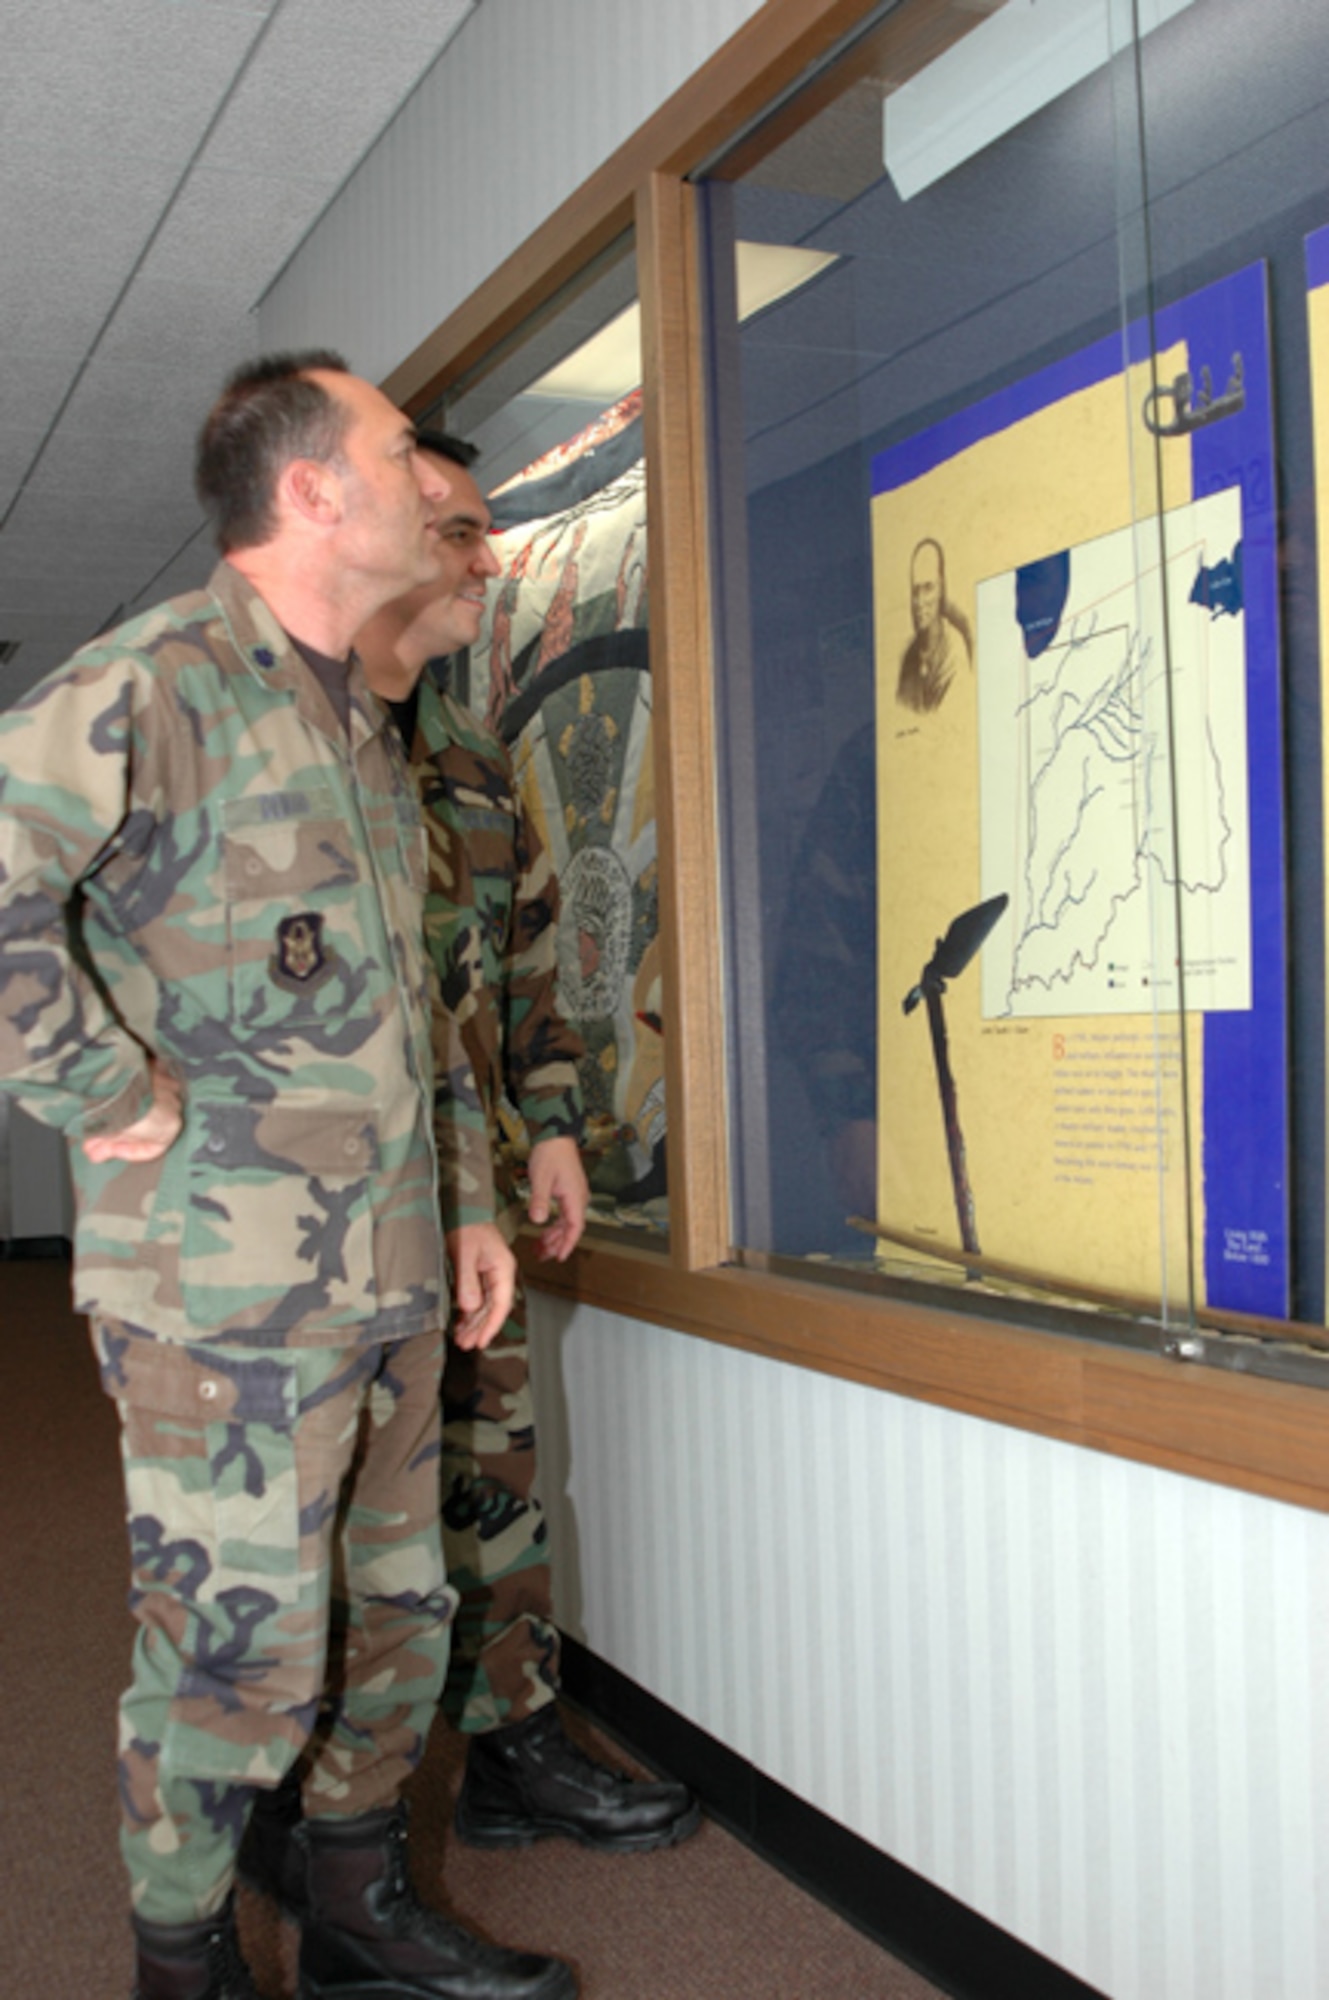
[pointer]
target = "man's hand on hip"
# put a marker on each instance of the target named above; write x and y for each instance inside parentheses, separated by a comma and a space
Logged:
(149, 1136)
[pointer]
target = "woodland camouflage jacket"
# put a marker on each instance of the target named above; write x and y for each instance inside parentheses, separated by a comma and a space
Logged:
(195, 862)
(491, 920)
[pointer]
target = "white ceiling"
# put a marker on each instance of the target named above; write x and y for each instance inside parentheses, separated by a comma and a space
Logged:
(160, 161)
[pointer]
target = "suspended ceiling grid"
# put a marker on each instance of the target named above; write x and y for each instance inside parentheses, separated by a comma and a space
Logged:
(160, 161)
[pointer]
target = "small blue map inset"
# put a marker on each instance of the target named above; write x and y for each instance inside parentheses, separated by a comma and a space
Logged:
(1041, 590)
(1218, 588)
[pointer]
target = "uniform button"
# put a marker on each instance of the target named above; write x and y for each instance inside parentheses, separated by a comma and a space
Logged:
(253, 866)
(209, 1390)
(351, 1148)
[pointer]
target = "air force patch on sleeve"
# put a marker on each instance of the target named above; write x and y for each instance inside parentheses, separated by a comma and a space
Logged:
(301, 960)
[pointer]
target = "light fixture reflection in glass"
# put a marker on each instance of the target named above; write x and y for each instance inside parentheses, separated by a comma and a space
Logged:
(607, 365)
(1021, 58)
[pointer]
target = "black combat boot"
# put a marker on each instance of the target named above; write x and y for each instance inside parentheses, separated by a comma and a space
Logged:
(191, 1961)
(274, 1856)
(368, 1937)
(529, 1778)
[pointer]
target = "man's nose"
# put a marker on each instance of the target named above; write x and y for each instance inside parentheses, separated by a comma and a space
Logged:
(431, 479)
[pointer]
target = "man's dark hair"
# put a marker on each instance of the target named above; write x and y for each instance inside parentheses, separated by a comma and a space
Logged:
(268, 414)
(443, 445)
(930, 542)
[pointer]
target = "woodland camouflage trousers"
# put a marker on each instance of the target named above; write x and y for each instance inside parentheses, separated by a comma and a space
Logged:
(288, 1583)
(504, 1662)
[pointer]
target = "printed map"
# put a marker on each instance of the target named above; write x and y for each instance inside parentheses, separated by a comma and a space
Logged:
(1113, 786)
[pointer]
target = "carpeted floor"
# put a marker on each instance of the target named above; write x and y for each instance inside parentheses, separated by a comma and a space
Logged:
(705, 1921)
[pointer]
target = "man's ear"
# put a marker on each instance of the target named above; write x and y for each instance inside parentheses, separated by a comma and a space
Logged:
(312, 491)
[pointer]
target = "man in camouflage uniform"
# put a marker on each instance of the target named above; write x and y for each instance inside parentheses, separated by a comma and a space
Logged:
(212, 977)
(491, 924)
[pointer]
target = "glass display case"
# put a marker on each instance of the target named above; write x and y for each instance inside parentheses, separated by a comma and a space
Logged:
(561, 671)
(1014, 343)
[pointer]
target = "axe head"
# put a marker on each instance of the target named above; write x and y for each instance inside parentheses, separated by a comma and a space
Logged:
(965, 937)
(961, 943)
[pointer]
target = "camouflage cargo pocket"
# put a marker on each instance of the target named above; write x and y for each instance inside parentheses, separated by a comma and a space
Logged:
(279, 1222)
(210, 1470)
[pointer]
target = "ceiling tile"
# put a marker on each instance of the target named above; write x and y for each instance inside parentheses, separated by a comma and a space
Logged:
(19, 445)
(433, 21)
(115, 559)
(32, 384)
(187, 570)
(312, 45)
(161, 160)
(232, 229)
(198, 324)
(130, 400)
(141, 78)
(45, 641)
(137, 512)
(66, 599)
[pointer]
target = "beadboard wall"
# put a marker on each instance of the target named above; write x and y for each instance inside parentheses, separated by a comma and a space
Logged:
(1082, 1696)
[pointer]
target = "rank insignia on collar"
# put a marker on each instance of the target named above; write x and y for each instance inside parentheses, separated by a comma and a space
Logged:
(301, 959)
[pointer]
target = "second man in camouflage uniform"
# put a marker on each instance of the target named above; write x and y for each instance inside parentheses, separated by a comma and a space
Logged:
(491, 926)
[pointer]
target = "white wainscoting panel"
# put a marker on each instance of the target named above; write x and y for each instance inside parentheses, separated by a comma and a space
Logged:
(1086, 1698)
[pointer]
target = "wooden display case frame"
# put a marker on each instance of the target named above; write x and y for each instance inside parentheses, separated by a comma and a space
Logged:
(1264, 1436)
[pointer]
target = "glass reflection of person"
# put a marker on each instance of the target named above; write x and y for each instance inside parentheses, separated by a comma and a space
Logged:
(825, 1001)
(940, 645)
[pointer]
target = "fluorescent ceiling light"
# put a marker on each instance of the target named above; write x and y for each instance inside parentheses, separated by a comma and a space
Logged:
(1018, 60)
(607, 365)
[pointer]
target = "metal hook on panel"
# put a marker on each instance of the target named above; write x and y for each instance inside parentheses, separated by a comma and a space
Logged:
(1193, 408)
